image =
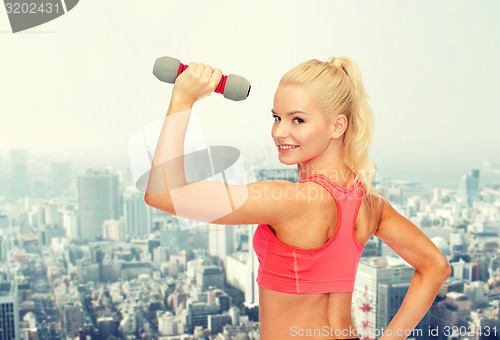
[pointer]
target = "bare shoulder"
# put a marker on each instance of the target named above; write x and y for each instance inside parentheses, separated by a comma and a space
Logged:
(368, 218)
(377, 204)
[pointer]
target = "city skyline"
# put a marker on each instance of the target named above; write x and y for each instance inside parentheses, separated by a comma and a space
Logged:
(447, 176)
(213, 268)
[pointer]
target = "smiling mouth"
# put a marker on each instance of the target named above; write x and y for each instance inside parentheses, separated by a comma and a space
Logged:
(287, 147)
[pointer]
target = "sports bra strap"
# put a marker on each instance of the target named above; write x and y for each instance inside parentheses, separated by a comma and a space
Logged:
(347, 200)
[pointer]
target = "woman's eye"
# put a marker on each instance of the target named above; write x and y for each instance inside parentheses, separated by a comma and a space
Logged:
(299, 120)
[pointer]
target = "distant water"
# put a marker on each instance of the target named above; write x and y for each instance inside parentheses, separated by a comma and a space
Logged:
(443, 174)
(446, 180)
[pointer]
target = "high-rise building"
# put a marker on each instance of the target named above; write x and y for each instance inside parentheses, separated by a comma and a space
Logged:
(220, 240)
(72, 318)
(380, 287)
(137, 214)
(468, 189)
(113, 230)
(9, 311)
(70, 224)
(51, 214)
(389, 300)
(19, 181)
(241, 269)
(99, 200)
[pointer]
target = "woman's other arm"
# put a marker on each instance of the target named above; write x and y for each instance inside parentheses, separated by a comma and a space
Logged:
(431, 269)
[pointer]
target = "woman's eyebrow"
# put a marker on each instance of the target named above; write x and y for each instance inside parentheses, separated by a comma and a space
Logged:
(291, 113)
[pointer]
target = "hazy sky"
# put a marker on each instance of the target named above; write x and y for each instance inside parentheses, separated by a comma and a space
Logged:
(85, 79)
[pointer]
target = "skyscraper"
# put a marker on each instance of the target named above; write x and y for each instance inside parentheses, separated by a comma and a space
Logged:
(9, 311)
(51, 213)
(99, 200)
(70, 224)
(380, 287)
(220, 240)
(137, 214)
(390, 297)
(72, 318)
(468, 189)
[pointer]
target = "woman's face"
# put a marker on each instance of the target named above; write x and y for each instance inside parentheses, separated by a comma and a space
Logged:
(299, 122)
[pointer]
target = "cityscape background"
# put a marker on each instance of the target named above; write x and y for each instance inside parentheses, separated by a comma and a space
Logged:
(83, 257)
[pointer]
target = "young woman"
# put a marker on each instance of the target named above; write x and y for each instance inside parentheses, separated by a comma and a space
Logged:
(311, 233)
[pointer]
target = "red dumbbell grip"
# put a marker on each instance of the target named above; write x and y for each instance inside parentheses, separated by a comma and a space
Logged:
(218, 89)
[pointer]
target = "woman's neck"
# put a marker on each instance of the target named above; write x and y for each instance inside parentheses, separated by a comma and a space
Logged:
(330, 163)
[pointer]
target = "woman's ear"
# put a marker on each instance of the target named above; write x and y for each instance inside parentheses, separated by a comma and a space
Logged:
(338, 126)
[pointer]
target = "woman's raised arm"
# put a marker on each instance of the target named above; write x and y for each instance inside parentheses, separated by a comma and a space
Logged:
(431, 269)
(261, 202)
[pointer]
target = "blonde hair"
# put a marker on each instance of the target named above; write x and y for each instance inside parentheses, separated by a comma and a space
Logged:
(341, 91)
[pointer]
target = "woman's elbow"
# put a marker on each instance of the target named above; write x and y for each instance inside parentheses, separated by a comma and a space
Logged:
(436, 268)
(159, 201)
(441, 270)
(148, 200)
(446, 270)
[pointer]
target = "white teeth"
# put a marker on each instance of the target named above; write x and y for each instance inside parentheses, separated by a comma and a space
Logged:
(288, 147)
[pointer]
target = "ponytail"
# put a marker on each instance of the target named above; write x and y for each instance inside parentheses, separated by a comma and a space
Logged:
(360, 129)
(342, 92)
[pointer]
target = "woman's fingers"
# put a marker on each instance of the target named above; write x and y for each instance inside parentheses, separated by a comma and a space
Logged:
(216, 77)
(199, 81)
(206, 75)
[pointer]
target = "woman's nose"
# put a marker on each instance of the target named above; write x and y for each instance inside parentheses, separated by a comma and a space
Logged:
(280, 130)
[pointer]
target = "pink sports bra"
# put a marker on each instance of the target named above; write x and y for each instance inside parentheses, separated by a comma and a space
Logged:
(329, 268)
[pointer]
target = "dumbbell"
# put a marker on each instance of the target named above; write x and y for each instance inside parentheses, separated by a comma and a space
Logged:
(233, 87)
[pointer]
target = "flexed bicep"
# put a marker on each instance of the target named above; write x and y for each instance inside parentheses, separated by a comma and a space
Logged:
(271, 201)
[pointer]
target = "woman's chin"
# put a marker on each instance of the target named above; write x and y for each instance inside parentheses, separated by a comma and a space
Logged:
(287, 163)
